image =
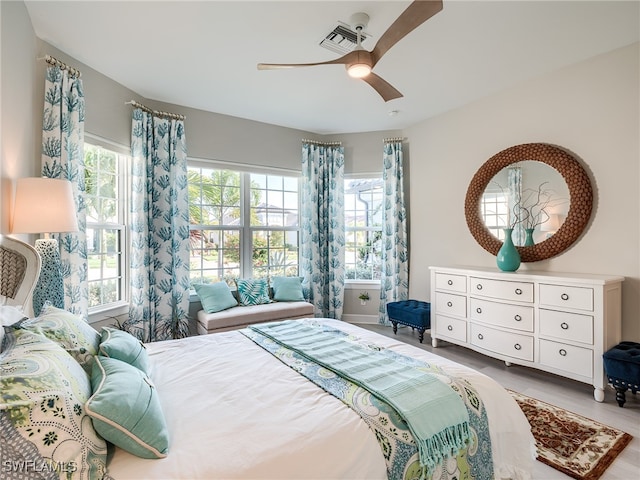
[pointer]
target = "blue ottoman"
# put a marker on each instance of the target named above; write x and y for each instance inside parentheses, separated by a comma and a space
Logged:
(622, 364)
(412, 313)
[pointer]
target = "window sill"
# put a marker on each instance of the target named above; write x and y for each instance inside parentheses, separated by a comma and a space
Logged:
(360, 284)
(106, 312)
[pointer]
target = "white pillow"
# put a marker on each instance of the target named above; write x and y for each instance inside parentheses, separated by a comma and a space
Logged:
(10, 315)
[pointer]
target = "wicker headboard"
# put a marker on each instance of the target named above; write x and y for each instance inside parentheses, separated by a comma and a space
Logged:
(19, 270)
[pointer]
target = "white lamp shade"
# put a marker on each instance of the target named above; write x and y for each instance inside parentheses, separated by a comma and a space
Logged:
(44, 205)
(552, 224)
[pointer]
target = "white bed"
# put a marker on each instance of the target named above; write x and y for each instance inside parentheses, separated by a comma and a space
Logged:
(232, 409)
(235, 411)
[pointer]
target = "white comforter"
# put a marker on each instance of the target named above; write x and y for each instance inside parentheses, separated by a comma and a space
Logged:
(235, 411)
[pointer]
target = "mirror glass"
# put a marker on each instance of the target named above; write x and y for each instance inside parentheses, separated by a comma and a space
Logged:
(529, 196)
(547, 181)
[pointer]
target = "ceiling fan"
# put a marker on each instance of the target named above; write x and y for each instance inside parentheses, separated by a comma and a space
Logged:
(360, 62)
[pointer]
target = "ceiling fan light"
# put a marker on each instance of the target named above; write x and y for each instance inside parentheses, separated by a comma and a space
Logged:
(359, 70)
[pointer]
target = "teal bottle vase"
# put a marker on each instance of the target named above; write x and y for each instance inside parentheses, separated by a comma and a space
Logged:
(508, 258)
(528, 239)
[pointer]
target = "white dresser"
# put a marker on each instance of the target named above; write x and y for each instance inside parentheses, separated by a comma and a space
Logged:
(557, 322)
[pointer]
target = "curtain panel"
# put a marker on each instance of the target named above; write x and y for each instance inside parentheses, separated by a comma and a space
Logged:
(322, 230)
(159, 222)
(394, 278)
(63, 157)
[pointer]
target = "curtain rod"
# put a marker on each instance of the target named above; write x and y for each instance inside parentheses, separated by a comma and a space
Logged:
(74, 72)
(393, 139)
(315, 142)
(173, 116)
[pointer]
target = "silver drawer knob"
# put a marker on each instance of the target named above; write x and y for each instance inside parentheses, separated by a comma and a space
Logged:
(449, 304)
(480, 337)
(450, 282)
(518, 291)
(517, 346)
(479, 286)
(479, 310)
(564, 296)
(450, 328)
(517, 318)
(562, 352)
(564, 326)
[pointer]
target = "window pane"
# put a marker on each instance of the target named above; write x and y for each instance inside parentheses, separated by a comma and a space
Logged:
(105, 225)
(363, 222)
(215, 256)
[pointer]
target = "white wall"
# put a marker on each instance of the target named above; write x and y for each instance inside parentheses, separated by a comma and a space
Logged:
(20, 132)
(592, 109)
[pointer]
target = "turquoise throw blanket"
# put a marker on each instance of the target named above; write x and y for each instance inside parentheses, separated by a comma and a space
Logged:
(435, 414)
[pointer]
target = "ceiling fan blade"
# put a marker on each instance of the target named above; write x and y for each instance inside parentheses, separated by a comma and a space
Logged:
(415, 15)
(385, 89)
(348, 58)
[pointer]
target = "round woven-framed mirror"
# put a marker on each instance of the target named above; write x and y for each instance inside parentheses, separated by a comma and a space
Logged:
(580, 192)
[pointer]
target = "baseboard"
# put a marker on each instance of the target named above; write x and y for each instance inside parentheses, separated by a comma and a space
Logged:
(355, 318)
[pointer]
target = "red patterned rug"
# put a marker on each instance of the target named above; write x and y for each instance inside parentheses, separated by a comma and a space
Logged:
(573, 444)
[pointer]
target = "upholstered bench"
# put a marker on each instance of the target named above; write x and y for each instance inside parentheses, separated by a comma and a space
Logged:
(412, 313)
(622, 364)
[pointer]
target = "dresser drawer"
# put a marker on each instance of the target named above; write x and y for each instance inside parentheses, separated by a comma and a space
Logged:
(568, 358)
(450, 304)
(580, 298)
(518, 317)
(506, 343)
(451, 283)
(504, 290)
(451, 327)
(566, 326)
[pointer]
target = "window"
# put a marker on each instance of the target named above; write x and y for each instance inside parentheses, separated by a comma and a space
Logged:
(363, 225)
(242, 225)
(495, 211)
(105, 225)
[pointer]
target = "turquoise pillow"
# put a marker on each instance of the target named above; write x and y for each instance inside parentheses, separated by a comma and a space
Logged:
(125, 409)
(124, 346)
(215, 297)
(287, 289)
(254, 291)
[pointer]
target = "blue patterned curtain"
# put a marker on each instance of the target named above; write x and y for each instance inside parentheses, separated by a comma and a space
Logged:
(322, 237)
(514, 180)
(63, 157)
(394, 279)
(159, 228)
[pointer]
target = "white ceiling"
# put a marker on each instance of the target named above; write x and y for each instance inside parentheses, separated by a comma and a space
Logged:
(204, 54)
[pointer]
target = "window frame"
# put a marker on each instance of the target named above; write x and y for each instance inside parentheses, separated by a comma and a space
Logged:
(354, 283)
(245, 229)
(113, 309)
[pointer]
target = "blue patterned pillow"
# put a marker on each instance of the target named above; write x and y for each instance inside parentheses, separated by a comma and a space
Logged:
(253, 291)
(43, 420)
(69, 331)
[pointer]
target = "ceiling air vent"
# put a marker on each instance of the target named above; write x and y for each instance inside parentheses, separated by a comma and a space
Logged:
(342, 39)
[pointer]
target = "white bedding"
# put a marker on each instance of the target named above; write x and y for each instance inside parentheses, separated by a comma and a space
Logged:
(235, 411)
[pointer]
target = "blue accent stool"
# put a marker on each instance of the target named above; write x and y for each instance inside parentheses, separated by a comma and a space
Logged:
(412, 313)
(622, 364)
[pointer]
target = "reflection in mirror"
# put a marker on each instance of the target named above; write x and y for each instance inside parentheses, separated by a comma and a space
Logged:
(529, 196)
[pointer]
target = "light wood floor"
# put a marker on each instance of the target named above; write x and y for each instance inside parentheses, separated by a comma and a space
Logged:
(569, 394)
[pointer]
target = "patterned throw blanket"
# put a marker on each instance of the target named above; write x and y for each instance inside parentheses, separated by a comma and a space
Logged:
(445, 443)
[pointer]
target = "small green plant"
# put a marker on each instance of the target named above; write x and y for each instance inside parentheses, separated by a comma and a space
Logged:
(364, 296)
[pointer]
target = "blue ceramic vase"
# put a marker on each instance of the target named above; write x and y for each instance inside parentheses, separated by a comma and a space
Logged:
(508, 258)
(528, 239)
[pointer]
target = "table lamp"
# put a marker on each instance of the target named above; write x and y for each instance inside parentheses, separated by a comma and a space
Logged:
(552, 225)
(44, 206)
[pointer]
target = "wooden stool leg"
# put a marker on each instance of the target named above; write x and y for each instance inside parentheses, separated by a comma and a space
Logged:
(395, 326)
(421, 336)
(620, 396)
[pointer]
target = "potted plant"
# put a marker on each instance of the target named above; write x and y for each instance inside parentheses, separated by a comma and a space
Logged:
(364, 296)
